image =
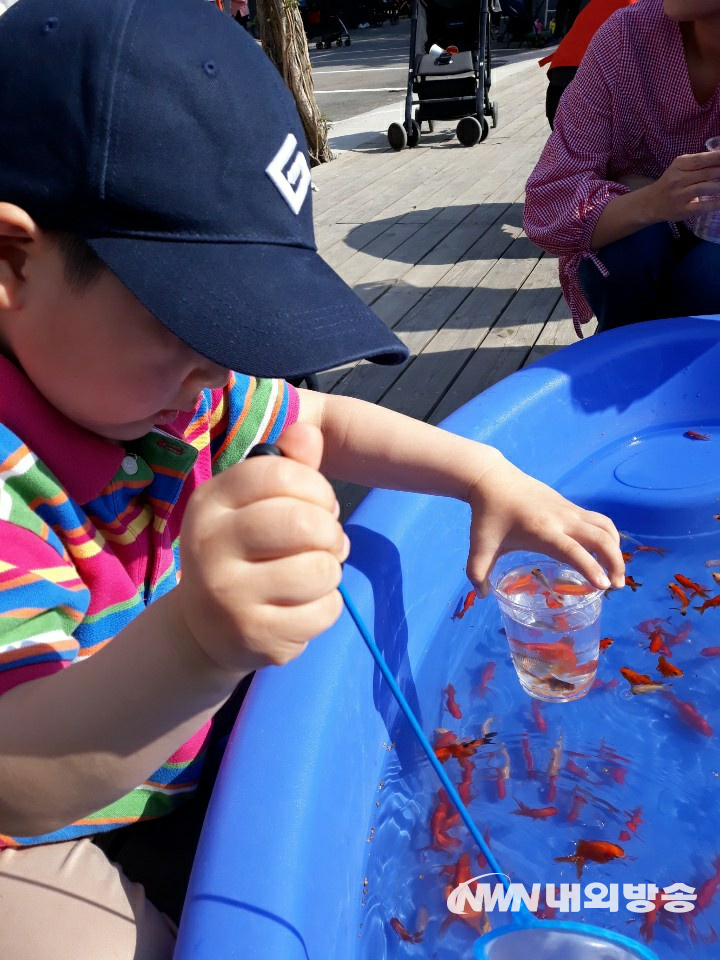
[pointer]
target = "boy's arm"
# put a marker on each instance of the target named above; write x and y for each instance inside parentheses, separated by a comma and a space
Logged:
(261, 552)
(376, 447)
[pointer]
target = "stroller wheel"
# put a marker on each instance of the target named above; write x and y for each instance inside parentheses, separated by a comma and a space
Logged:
(327, 44)
(469, 131)
(347, 41)
(413, 134)
(338, 43)
(494, 113)
(319, 45)
(397, 137)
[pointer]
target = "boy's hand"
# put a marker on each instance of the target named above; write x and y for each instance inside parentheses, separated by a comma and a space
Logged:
(512, 511)
(261, 550)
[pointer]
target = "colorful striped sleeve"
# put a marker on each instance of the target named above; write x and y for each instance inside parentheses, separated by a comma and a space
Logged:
(247, 412)
(42, 597)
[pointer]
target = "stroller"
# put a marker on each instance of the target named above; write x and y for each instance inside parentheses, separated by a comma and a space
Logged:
(450, 85)
(327, 26)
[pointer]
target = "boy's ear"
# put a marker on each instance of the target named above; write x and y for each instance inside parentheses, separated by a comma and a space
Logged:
(18, 231)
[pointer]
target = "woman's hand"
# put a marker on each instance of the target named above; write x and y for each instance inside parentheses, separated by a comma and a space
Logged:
(512, 511)
(690, 186)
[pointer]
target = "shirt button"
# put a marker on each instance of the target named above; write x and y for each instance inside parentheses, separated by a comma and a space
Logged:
(129, 465)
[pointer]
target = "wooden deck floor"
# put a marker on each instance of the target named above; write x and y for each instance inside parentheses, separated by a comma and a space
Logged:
(432, 239)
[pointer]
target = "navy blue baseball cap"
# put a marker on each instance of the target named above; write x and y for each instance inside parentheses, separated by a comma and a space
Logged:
(159, 132)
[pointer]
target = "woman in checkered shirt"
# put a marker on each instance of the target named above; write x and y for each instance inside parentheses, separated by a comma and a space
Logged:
(625, 172)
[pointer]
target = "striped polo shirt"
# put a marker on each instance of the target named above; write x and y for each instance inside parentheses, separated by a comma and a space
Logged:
(89, 536)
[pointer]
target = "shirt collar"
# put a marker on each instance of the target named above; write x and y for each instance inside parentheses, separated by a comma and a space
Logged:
(82, 461)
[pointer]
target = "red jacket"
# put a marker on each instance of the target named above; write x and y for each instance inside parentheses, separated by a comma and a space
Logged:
(574, 44)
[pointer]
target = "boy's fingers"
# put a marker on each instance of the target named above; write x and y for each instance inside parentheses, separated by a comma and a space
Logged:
(302, 442)
(296, 580)
(264, 478)
(289, 530)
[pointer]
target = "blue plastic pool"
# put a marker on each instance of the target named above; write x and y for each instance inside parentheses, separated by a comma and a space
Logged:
(318, 833)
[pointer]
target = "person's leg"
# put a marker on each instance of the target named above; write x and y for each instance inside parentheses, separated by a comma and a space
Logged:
(66, 901)
(638, 285)
(559, 78)
(695, 284)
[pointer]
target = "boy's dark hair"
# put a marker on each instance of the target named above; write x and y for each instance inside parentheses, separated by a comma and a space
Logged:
(82, 266)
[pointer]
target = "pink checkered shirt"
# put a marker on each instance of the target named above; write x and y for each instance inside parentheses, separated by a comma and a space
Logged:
(629, 110)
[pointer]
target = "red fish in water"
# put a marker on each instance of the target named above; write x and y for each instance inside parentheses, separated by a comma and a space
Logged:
(635, 819)
(439, 824)
(539, 719)
(688, 584)
(599, 851)
(577, 771)
(525, 744)
(525, 583)
(640, 547)
(715, 602)
(657, 643)
(606, 643)
(502, 775)
(552, 600)
(570, 589)
(632, 583)
(561, 652)
(447, 745)
(578, 803)
(634, 678)
(689, 715)
(647, 928)
(627, 555)
(405, 934)
(675, 638)
(708, 888)
(442, 743)
(466, 782)
(668, 669)
(710, 652)
(535, 813)
(469, 601)
(680, 595)
(451, 706)
(647, 626)
(693, 435)
(486, 676)
(478, 921)
(624, 836)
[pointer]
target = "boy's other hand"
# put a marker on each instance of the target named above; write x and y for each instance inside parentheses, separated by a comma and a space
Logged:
(512, 511)
(261, 550)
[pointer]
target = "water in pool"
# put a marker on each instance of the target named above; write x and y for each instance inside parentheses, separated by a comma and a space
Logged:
(618, 788)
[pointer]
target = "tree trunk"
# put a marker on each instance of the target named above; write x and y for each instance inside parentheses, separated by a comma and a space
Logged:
(284, 41)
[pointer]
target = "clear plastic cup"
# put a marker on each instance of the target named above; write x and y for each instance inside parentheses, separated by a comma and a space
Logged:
(551, 616)
(707, 225)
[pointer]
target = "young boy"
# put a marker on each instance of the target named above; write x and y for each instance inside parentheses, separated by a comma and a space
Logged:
(137, 269)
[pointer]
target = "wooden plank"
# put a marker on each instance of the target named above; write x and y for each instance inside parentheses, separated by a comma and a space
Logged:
(509, 342)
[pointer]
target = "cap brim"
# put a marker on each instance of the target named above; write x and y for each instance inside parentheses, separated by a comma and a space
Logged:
(262, 309)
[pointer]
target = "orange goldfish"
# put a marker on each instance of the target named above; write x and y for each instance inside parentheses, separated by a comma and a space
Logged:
(697, 590)
(657, 643)
(535, 813)
(405, 934)
(668, 669)
(681, 596)
(640, 547)
(526, 583)
(562, 651)
(689, 715)
(632, 583)
(451, 706)
(693, 435)
(486, 676)
(606, 643)
(478, 921)
(570, 589)
(715, 602)
(710, 652)
(539, 719)
(647, 626)
(634, 678)
(599, 851)
(578, 803)
(469, 601)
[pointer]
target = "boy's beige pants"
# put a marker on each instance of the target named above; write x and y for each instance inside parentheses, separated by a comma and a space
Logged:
(67, 901)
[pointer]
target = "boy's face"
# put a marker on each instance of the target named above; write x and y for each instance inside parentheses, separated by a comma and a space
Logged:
(98, 355)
